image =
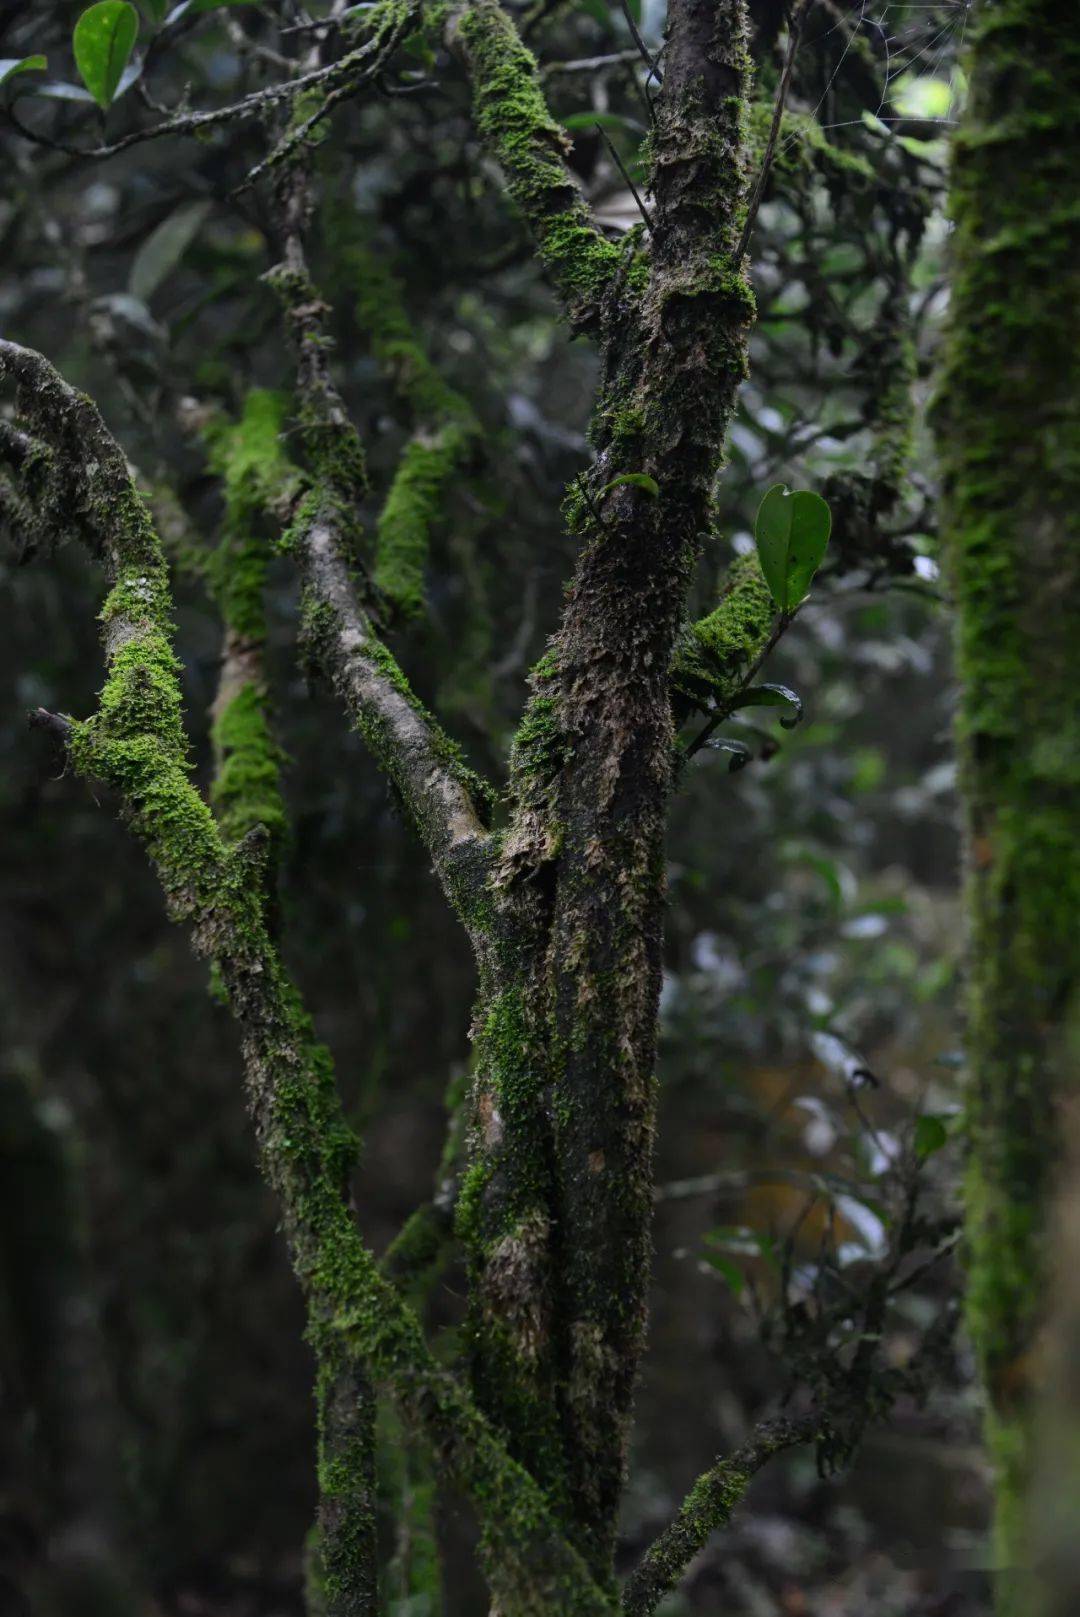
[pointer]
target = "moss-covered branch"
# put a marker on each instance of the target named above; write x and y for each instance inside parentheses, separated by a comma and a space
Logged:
(715, 653)
(530, 147)
(136, 744)
(1008, 418)
(442, 795)
(707, 1507)
(673, 358)
(445, 434)
(258, 479)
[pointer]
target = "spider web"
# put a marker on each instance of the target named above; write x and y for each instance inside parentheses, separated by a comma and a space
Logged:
(909, 37)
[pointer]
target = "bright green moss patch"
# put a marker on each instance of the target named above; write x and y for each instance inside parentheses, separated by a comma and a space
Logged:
(247, 786)
(714, 654)
(446, 434)
(530, 147)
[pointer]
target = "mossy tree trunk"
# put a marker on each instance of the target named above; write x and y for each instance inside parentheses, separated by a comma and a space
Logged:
(1009, 425)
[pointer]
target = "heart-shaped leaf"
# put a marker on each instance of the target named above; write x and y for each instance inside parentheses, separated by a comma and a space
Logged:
(792, 533)
(103, 41)
(10, 65)
(774, 696)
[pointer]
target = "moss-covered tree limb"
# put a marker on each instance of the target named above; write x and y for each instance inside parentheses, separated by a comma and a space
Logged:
(672, 367)
(136, 744)
(530, 147)
(258, 479)
(707, 1507)
(1009, 427)
(256, 475)
(441, 794)
(714, 655)
(445, 433)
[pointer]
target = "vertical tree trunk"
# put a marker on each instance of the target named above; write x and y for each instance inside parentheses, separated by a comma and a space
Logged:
(1009, 425)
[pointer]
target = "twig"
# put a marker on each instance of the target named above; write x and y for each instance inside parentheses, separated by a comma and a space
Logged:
(782, 621)
(609, 143)
(709, 1505)
(589, 64)
(794, 33)
(643, 49)
(337, 74)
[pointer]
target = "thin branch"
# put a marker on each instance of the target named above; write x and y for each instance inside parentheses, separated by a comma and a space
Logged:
(621, 166)
(643, 49)
(589, 64)
(441, 794)
(338, 74)
(783, 621)
(794, 35)
(708, 1506)
(140, 750)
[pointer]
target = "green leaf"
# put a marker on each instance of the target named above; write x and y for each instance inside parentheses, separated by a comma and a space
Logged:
(792, 532)
(636, 480)
(602, 120)
(103, 41)
(774, 696)
(155, 9)
(10, 65)
(164, 247)
(921, 96)
(930, 1135)
(729, 1270)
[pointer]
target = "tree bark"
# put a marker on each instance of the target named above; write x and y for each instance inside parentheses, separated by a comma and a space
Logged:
(1009, 424)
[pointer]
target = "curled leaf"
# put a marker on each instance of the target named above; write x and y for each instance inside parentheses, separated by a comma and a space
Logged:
(640, 480)
(740, 754)
(11, 65)
(774, 696)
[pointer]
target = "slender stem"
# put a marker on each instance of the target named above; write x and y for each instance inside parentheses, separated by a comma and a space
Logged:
(794, 33)
(621, 166)
(725, 712)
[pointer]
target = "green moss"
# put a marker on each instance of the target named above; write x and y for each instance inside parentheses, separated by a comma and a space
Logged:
(412, 507)
(1008, 417)
(530, 147)
(714, 654)
(247, 785)
(345, 1430)
(446, 434)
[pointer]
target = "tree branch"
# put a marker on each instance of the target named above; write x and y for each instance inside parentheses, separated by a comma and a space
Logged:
(136, 744)
(350, 71)
(441, 793)
(446, 433)
(530, 147)
(708, 1506)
